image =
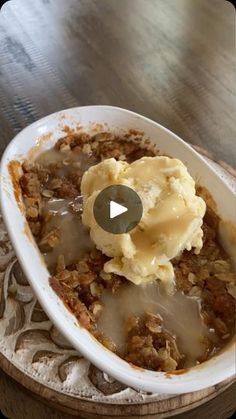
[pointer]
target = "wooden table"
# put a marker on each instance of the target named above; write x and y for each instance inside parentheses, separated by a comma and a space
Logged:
(171, 60)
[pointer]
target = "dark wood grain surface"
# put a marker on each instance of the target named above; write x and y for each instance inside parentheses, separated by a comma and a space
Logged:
(171, 60)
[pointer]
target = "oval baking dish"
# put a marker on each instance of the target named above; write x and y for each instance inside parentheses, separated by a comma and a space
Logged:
(42, 135)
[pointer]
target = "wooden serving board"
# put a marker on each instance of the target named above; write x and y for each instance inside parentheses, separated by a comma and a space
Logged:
(43, 376)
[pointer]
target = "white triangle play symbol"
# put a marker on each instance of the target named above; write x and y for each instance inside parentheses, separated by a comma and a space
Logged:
(116, 209)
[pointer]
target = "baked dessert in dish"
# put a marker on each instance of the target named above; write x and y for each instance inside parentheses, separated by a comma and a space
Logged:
(143, 324)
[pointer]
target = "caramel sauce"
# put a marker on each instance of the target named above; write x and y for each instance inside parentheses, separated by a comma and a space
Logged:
(180, 314)
(75, 239)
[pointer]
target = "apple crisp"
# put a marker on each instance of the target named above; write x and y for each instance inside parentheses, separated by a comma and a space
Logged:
(143, 325)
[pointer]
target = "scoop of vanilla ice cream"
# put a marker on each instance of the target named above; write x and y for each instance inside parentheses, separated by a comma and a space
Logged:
(171, 221)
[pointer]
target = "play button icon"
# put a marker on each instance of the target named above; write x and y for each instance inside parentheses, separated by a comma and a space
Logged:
(117, 209)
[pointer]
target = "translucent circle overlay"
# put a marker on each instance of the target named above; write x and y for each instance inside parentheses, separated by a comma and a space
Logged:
(122, 195)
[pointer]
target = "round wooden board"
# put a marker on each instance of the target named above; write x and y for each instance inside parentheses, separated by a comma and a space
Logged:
(27, 400)
(41, 370)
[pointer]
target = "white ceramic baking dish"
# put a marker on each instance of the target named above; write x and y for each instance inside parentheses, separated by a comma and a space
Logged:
(42, 135)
